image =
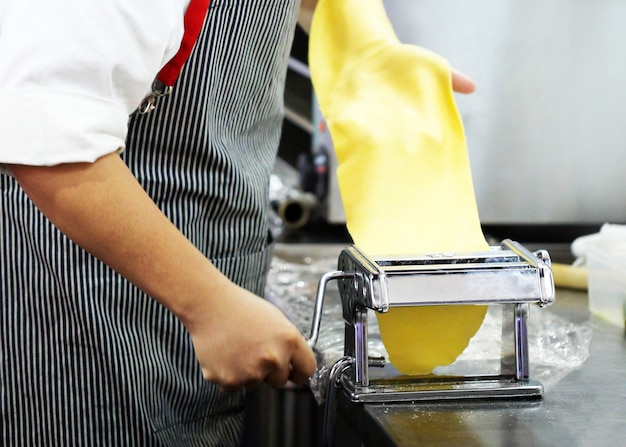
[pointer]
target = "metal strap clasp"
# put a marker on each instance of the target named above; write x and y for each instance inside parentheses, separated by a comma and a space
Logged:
(149, 103)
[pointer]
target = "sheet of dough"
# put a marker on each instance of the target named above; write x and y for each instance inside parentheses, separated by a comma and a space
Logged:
(404, 172)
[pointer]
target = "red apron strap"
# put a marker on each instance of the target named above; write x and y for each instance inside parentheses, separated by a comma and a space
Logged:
(194, 18)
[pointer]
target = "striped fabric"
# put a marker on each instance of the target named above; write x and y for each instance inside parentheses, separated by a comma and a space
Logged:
(86, 359)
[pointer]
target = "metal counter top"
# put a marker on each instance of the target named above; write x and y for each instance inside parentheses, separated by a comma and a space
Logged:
(586, 407)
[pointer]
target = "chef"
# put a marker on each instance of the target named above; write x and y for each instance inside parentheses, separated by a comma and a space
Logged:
(133, 253)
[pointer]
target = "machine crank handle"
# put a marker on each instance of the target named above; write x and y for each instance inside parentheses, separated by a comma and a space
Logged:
(319, 303)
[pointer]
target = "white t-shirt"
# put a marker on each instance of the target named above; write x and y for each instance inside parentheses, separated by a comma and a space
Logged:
(72, 72)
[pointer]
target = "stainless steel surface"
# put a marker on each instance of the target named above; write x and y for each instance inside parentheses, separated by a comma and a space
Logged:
(330, 406)
(290, 207)
(514, 350)
(441, 389)
(319, 304)
(322, 145)
(507, 275)
(545, 126)
(584, 408)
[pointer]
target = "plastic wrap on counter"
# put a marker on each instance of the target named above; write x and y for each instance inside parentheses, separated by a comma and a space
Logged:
(556, 346)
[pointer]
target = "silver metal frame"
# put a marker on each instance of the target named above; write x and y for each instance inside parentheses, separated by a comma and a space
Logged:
(508, 275)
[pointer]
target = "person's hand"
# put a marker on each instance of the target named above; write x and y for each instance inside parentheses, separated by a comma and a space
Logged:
(239, 338)
(245, 340)
(461, 83)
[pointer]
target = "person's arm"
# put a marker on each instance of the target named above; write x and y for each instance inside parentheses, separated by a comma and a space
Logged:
(239, 338)
(461, 83)
(305, 15)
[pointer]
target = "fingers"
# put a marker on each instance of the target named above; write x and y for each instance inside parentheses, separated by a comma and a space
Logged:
(461, 83)
(300, 365)
(271, 349)
(278, 376)
(289, 359)
(303, 363)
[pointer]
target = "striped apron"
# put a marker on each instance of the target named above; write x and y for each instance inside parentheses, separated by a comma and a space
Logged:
(86, 358)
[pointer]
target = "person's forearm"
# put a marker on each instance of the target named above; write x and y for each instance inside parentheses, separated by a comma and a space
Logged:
(103, 209)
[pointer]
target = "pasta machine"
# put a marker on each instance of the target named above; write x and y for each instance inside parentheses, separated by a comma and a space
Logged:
(508, 275)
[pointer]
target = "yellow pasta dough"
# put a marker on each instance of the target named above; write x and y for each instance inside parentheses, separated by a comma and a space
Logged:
(403, 171)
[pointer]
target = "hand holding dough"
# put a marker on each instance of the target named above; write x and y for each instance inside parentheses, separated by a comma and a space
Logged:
(403, 172)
